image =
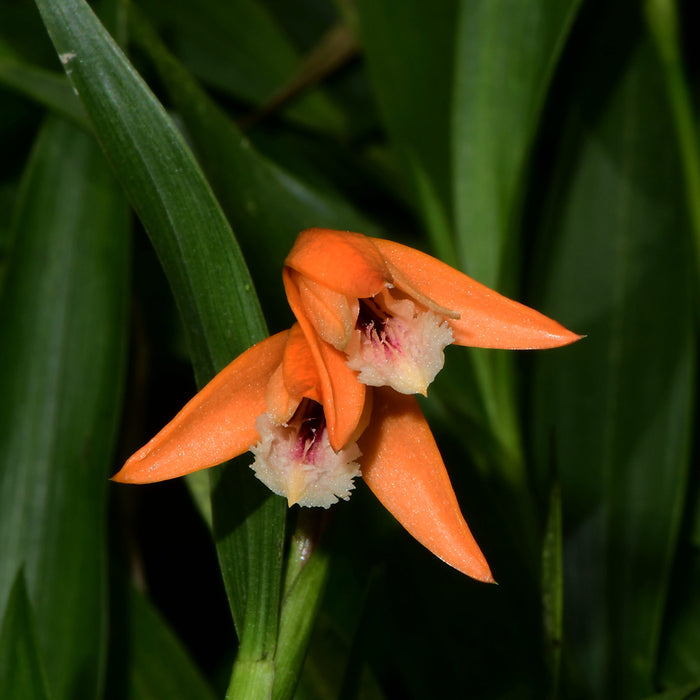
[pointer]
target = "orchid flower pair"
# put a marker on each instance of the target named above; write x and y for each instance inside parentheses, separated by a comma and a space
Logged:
(331, 398)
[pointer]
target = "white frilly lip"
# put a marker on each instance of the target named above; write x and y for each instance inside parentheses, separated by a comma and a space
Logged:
(405, 351)
(303, 468)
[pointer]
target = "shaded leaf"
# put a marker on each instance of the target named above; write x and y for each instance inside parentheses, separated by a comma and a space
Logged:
(553, 588)
(505, 57)
(618, 403)
(688, 692)
(62, 333)
(206, 272)
(680, 647)
(21, 671)
(190, 233)
(159, 666)
(49, 88)
(664, 24)
(410, 52)
(239, 47)
(264, 202)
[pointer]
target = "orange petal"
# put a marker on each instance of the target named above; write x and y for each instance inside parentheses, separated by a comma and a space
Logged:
(402, 465)
(343, 397)
(332, 314)
(300, 373)
(486, 319)
(345, 262)
(216, 425)
(295, 378)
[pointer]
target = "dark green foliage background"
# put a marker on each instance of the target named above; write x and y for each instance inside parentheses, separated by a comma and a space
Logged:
(548, 148)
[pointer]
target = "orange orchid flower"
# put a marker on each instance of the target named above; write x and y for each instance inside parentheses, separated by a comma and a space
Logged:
(277, 401)
(392, 309)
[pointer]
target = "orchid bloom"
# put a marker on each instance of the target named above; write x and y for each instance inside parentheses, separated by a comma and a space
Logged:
(310, 427)
(392, 309)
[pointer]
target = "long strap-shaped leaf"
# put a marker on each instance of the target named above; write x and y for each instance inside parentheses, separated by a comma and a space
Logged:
(170, 194)
(62, 331)
(620, 406)
(207, 274)
(21, 671)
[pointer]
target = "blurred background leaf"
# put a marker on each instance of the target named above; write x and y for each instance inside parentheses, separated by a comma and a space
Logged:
(617, 407)
(62, 325)
(21, 670)
(153, 663)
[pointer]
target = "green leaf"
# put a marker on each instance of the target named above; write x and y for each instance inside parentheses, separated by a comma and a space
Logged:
(171, 196)
(617, 405)
(158, 664)
(21, 671)
(506, 55)
(663, 21)
(239, 47)
(206, 272)
(680, 650)
(410, 52)
(267, 205)
(62, 333)
(48, 88)
(688, 692)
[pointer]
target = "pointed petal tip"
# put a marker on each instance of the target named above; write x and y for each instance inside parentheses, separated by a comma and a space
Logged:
(566, 337)
(481, 572)
(463, 554)
(137, 470)
(550, 340)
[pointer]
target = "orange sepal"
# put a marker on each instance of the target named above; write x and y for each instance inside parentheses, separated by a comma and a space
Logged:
(342, 396)
(402, 465)
(216, 425)
(486, 318)
(345, 262)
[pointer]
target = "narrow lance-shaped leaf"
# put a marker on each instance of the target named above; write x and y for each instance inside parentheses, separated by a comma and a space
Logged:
(46, 87)
(410, 53)
(206, 272)
(171, 196)
(506, 55)
(21, 670)
(240, 48)
(62, 333)
(260, 198)
(618, 404)
(159, 667)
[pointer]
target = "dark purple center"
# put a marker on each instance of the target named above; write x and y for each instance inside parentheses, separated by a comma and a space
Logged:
(312, 423)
